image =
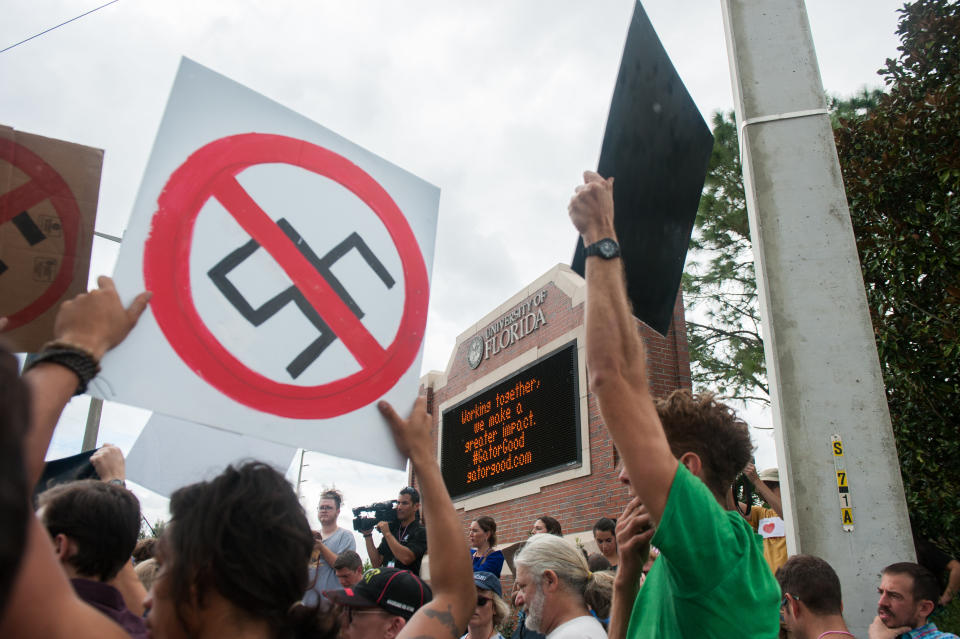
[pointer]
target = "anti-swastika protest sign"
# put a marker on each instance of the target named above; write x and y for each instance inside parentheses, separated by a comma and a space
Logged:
(290, 273)
(48, 202)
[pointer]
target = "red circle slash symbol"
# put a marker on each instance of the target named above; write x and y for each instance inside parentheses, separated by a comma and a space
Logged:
(211, 172)
(45, 183)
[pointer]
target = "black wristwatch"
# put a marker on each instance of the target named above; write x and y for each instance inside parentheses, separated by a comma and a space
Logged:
(605, 248)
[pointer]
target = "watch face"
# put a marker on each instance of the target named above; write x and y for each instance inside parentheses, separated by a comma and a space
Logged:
(608, 248)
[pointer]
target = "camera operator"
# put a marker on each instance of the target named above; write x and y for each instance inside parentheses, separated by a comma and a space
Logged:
(404, 541)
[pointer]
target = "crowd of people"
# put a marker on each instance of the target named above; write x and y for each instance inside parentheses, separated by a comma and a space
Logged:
(238, 557)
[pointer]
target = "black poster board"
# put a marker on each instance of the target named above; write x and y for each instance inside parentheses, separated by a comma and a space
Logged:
(657, 148)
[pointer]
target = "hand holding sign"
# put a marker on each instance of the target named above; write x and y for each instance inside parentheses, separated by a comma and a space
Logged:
(290, 273)
(97, 321)
(412, 435)
(591, 208)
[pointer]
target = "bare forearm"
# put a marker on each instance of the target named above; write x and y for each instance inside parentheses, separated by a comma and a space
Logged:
(453, 577)
(328, 555)
(131, 588)
(953, 581)
(768, 496)
(375, 559)
(616, 362)
(621, 608)
(51, 387)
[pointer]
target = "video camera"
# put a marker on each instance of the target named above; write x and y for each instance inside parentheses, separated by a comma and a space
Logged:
(367, 517)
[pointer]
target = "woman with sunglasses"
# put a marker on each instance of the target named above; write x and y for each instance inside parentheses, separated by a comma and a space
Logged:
(491, 609)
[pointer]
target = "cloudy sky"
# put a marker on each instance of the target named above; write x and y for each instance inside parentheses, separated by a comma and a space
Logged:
(500, 104)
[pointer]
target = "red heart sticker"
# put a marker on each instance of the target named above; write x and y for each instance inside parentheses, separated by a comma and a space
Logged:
(768, 528)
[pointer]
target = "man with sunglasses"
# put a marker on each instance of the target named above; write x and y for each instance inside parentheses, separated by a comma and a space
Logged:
(330, 542)
(381, 604)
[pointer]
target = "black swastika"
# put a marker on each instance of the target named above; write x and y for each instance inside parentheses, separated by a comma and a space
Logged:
(271, 307)
(28, 229)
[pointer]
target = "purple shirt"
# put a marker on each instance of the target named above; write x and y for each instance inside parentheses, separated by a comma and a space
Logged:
(109, 601)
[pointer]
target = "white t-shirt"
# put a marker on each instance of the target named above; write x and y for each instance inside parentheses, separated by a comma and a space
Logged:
(585, 627)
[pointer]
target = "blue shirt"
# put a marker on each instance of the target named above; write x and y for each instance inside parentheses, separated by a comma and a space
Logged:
(928, 631)
(493, 562)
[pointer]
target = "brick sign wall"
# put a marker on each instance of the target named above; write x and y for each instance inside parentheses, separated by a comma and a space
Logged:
(577, 502)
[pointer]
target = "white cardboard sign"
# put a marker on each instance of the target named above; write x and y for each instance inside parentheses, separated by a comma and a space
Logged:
(289, 270)
(171, 453)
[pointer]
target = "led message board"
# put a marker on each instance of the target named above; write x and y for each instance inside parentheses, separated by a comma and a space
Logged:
(523, 426)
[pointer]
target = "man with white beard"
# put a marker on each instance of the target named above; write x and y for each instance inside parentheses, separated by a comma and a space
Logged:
(552, 577)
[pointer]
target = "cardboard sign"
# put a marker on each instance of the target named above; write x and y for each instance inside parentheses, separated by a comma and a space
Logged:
(171, 453)
(48, 204)
(290, 273)
(657, 147)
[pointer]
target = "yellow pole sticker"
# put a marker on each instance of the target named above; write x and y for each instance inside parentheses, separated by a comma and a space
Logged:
(843, 487)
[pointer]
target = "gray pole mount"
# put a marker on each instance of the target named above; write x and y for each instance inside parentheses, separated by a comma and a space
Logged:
(844, 504)
(92, 430)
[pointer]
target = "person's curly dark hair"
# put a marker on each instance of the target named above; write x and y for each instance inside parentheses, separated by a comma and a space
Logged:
(14, 505)
(700, 424)
(244, 535)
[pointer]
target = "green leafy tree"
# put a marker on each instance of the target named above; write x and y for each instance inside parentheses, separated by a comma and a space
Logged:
(899, 152)
(147, 530)
(901, 168)
(719, 287)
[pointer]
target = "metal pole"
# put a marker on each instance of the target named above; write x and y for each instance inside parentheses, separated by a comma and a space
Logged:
(92, 430)
(300, 472)
(825, 381)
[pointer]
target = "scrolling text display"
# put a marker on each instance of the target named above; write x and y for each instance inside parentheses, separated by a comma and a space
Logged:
(527, 423)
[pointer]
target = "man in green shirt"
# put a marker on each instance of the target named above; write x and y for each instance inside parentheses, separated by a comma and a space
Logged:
(680, 457)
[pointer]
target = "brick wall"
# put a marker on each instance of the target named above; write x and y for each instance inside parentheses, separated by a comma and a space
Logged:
(576, 503)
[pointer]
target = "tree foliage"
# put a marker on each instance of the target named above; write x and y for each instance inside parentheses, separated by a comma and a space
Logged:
(899, 152)
(726, 348)
(901, 169)
(148, 531)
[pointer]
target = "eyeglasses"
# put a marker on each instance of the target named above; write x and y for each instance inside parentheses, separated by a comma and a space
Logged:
(482, 601)
(326, 508)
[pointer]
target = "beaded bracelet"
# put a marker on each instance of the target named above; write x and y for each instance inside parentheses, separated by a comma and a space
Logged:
(79, 360)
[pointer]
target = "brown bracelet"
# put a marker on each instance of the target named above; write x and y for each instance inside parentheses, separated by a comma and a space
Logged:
(75, 358)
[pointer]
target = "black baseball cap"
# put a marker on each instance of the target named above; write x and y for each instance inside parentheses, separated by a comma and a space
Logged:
(399, 592)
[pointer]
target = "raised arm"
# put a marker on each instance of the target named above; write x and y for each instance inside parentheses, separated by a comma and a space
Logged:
(616, 358)
(93, 323)
(111, 466)
(451, 575)
(765, 493)
(953, 582)
(42, 602)
(633, 532)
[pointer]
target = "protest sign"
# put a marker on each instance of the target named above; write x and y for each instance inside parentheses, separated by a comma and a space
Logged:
(657, 148)
(290, 273)
(171, 453)
(48, 203)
